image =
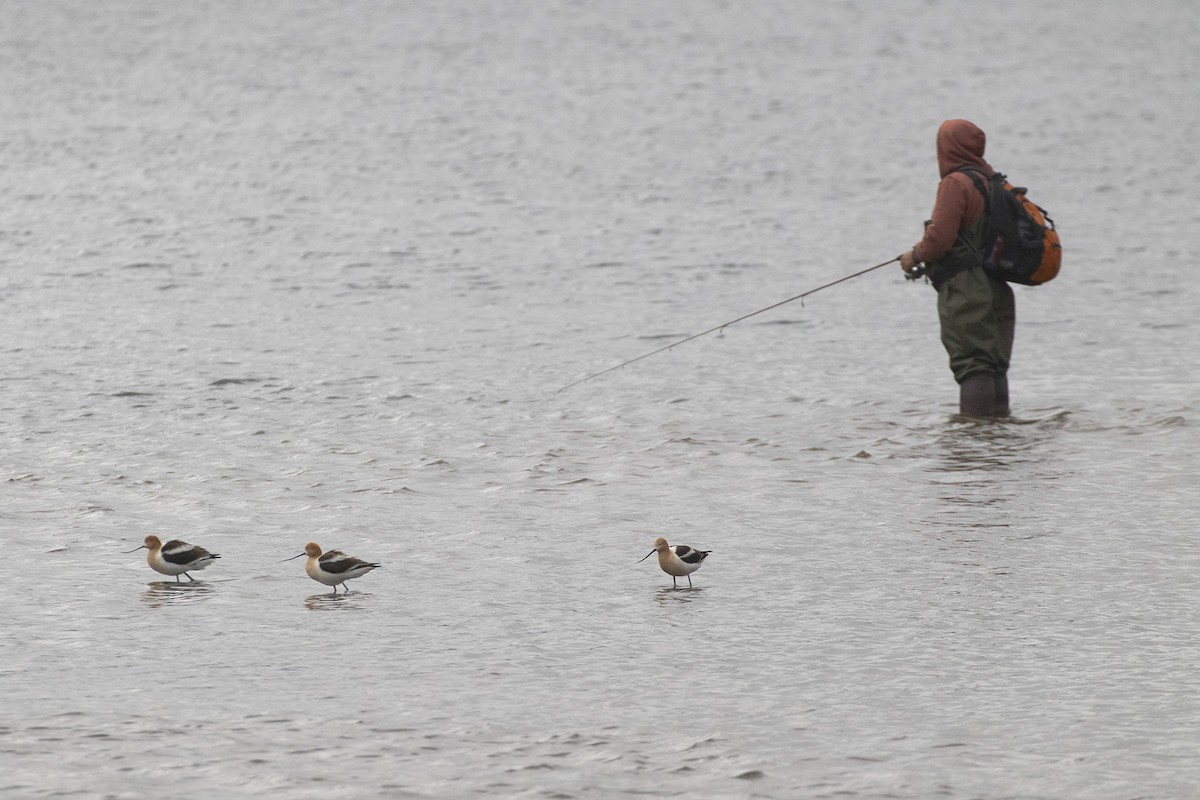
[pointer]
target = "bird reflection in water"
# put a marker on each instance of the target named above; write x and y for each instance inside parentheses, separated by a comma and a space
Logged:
(334, 602)
(161, 593)
(683, 594)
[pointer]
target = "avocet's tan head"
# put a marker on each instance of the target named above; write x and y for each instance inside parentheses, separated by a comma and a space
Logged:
(660, 544)
(149, 543)
(312, 550)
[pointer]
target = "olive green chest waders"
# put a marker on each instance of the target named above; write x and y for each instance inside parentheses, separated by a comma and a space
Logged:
(978, 317)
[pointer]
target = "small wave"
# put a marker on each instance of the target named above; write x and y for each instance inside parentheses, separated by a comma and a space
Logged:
(750, 775)
(807, 322)
(660, 337)
(234, 381)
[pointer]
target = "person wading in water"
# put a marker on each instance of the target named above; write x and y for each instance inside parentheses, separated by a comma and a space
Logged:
(976, 309)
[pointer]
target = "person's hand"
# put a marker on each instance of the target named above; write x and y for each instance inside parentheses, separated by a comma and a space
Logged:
(908, 262)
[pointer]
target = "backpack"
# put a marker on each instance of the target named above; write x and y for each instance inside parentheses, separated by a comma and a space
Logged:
(1020, 243)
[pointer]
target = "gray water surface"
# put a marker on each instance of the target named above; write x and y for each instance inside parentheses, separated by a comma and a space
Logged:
(276, 272)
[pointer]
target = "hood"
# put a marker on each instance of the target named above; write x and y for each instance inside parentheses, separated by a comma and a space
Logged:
(960, 143)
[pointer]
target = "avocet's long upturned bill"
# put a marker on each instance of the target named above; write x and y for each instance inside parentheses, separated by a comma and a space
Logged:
(175, 557)
(677, 560)
(333, 567)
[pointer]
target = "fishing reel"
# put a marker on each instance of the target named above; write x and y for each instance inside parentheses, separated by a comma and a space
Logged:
(916, 274)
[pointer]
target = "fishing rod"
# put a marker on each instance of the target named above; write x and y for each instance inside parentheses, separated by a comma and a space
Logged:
(723, 325)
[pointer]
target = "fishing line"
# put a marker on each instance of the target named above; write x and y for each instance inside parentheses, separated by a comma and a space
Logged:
(800, 296)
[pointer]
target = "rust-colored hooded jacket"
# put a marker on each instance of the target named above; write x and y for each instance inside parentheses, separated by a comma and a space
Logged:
(959, 143)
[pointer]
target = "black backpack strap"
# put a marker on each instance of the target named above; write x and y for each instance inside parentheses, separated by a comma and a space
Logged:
(982, 184)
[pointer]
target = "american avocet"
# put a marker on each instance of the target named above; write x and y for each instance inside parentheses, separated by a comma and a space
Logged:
(677, 560)
(333, 567)
(175, 557)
